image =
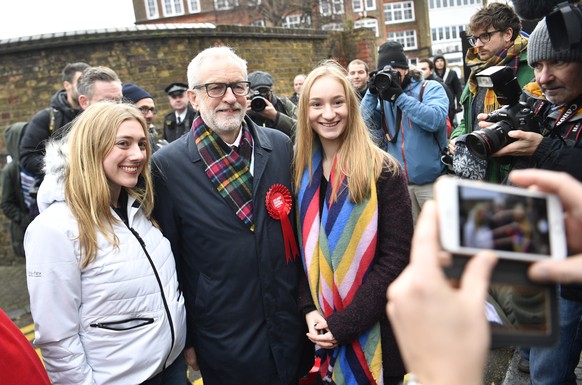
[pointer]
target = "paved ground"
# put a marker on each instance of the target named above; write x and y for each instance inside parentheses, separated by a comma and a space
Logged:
(13, 293)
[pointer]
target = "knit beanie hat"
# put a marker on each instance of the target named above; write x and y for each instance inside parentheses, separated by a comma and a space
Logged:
(392, 53)
(540, 47)
(133, 93)
(260, 79)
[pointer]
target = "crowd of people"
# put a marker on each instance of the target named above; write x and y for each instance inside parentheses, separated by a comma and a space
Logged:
(258, 236)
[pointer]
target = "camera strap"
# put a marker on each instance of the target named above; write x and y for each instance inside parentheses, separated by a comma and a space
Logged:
(391, 138)
(566, 115)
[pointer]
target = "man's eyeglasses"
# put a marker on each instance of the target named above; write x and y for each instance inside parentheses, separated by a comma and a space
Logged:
(217, 90)
(145, 109)
(484, 37)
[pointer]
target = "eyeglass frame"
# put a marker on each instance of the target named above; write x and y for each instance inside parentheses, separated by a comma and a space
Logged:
(226, 86)
(473, 39)
(145, 109)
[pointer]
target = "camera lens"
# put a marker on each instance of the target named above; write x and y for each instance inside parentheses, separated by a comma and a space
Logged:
(258, 103)
(382, 81)
(482, 143)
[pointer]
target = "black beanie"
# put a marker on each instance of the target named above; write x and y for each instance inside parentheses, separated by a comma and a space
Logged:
(133, 93)
(392, 53)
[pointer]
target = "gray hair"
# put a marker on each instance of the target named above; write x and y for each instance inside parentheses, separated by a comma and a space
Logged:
(87, 80)
(213, 53)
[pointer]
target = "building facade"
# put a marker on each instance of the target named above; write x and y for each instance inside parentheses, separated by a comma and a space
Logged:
(403, 21)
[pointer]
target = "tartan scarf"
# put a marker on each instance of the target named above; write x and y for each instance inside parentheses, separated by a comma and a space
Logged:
(338, 247)
(227, 170)
(507, 57)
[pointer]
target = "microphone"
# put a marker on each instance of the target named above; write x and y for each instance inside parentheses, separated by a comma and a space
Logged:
(535, 9)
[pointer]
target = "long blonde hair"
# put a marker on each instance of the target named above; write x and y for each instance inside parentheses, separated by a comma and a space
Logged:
(87, 192)
(359, 159)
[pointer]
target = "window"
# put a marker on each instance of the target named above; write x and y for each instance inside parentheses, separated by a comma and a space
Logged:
(367, 23)
(173, 7)
(452, 32)
(259, 23)
(292, 21)
(333, 27)
(329, 7)
(194, 6)
(452, 3)
(152, 9)
(399, 12)
(406, 38)
(338, 7)
(224, 5)
(325, 8)
(363, 5)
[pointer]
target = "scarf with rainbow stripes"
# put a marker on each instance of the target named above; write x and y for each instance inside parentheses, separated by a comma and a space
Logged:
(338, 247)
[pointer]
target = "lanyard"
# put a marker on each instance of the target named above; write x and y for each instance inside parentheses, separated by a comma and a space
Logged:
(569, 112)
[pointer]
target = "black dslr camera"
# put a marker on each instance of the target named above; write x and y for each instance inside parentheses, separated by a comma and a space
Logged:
(383, 78)
(258, 102)
(514, 115)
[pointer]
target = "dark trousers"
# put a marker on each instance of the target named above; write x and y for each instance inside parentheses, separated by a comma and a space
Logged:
(174, 374)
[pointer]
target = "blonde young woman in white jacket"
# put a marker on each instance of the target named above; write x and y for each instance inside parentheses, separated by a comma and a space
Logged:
(103, 289)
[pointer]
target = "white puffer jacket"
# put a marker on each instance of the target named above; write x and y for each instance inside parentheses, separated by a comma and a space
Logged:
(120, 320)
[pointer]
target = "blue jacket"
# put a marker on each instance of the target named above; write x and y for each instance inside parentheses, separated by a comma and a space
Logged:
(423, 123)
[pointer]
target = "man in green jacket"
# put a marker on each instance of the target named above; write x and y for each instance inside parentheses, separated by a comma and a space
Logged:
(495, 36)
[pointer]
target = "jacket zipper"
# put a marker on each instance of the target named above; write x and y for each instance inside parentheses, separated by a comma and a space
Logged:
(117, 325)
(143, 246)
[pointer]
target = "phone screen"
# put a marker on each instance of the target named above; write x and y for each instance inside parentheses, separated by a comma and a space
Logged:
(501, 221)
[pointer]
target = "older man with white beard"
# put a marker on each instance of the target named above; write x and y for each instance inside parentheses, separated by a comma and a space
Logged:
(214, 189)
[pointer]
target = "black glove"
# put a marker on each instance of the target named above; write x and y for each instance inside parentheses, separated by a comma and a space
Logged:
(371, 87)
(392, 93)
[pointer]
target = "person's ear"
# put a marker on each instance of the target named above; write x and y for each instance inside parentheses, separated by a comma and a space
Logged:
(83, 102)
(508, 34)
(193, 99)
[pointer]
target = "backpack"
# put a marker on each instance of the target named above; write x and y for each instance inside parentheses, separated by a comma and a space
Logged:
(12, 199)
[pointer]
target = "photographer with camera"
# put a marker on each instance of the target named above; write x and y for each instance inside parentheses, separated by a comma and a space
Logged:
(407, 115)
(267, 109)
(555, 100)
(496, 40)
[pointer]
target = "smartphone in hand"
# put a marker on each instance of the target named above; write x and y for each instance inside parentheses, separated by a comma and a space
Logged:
(521, 226)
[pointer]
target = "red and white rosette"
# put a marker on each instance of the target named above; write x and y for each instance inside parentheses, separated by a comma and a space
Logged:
(279, 204)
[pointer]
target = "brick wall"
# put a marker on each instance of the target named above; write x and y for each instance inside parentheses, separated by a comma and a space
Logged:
(153, 56)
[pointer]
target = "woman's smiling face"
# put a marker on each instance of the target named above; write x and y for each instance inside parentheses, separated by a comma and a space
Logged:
(328, 111)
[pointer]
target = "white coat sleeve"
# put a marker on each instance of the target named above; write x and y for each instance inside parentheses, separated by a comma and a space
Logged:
(54, 285)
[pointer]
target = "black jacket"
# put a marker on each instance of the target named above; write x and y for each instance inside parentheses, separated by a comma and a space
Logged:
(452, 80)
(39, 129)
(172, 130)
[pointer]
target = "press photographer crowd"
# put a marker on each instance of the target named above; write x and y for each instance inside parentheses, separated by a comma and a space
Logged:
(377, 227)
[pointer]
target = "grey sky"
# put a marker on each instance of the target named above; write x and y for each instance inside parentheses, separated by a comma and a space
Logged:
(34, 17)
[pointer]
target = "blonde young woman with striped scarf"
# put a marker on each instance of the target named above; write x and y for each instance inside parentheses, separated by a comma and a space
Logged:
(355, 229)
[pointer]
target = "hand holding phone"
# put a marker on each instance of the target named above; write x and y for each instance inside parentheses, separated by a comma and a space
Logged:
(521, 226)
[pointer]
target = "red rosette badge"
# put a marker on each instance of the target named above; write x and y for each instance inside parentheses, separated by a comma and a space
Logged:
(279, 204)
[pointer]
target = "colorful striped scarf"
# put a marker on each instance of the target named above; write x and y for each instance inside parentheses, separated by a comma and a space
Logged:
(507, 57)
(227, 170)
(338, 248)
